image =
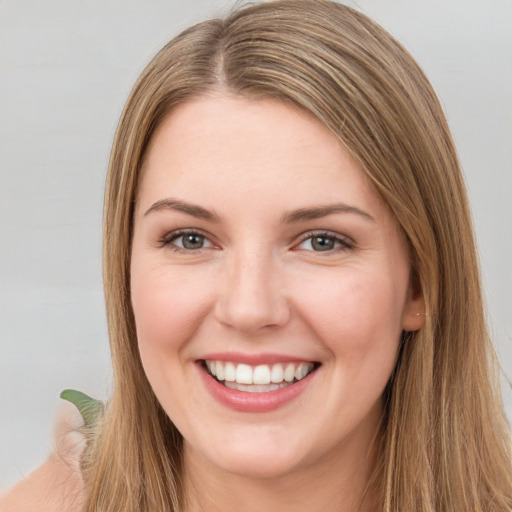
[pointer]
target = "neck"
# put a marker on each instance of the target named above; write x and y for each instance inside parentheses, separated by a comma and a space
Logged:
(335, 485)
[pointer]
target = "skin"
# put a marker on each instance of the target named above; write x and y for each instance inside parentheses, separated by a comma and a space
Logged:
(257, 286)
(56, 485)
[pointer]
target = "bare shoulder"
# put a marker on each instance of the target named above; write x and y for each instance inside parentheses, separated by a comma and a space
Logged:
(54, 486)
(57, 484)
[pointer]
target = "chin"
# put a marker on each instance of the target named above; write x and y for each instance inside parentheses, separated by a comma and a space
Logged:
(256, 466)
(251, 459)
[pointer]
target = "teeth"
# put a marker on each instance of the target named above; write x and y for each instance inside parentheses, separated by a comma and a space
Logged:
(261, 374)
(260, 378)
(229, 372)
(255, 388)
(219, 370)
(277, 374)
(289, 373)
(301, 372)
(243, 374)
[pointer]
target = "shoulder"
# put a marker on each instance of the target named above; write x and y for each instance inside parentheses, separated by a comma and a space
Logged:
(54, 486)
(57, 484)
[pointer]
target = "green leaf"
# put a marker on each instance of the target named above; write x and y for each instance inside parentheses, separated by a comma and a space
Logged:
(90, 408)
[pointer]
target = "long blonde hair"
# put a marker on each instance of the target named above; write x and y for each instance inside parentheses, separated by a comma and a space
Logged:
(444, 441)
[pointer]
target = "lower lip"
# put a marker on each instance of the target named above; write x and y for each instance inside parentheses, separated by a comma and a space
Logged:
(243, 401)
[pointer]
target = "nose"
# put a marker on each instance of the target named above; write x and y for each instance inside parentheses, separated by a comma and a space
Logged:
(251, 297)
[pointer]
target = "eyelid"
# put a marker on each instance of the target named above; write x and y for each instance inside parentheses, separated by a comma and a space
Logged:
(168, 239)
(344, 241)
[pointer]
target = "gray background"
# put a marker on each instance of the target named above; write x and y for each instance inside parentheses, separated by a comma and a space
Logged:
(66, 67)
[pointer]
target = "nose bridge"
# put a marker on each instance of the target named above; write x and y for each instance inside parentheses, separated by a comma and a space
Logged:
(251, 297)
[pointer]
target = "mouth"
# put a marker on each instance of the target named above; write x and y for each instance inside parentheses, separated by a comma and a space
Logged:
(261, 378)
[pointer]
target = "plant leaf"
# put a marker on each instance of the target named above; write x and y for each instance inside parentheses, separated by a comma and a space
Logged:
(90, 408)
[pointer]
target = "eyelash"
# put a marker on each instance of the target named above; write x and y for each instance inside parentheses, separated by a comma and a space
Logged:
(344, 243)
(169, 238)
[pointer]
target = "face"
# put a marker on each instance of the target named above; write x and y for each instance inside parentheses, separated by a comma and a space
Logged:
(270, 287)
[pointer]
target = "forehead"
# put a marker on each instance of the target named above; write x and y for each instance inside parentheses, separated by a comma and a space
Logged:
(265, 148)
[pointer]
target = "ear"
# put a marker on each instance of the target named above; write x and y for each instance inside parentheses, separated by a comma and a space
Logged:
(414, 314)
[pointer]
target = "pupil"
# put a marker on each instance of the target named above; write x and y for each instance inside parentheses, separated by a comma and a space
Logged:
(321, 243)
(193, 241)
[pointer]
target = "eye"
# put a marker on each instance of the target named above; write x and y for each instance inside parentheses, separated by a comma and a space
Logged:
(323, 242)
(185, 241)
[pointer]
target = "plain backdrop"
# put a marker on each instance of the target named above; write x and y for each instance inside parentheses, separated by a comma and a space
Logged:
(66, 67)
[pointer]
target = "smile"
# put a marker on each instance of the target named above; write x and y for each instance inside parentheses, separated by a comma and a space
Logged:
(258, 379)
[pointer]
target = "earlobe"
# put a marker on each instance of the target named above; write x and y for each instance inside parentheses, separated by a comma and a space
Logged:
(415, 322)
(414, 316)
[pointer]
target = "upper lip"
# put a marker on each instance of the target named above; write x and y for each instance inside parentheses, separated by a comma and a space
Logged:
(254, 359)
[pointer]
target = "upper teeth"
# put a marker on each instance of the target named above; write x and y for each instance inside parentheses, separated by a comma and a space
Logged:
(261, 374)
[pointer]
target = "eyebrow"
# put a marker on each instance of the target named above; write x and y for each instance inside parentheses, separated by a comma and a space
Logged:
(184, 207)
(300, 215)
(305, 214)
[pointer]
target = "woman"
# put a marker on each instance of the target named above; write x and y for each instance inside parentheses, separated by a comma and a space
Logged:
(293, 296)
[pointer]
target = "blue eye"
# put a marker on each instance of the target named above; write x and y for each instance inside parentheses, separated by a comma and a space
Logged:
(323, 242)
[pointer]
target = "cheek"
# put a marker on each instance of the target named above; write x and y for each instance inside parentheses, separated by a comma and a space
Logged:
(354, 306)
(356, 315)
(168, 306)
